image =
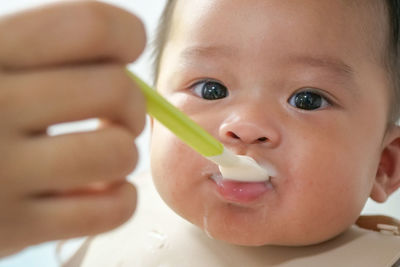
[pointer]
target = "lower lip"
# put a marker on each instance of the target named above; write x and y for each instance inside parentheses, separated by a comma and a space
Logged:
(241, 192)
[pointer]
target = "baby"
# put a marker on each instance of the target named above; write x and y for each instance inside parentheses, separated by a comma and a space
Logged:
(310, 88)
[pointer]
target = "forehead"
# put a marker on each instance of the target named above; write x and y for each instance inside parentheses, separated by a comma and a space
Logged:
(324, 27)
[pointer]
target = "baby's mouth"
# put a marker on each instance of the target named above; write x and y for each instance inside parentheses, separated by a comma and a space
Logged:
(240, 192)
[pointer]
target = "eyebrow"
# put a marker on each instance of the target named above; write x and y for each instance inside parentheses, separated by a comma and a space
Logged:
(208, 51)
(333, 64)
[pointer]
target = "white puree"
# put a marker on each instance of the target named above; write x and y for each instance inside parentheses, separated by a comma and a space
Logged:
(239, 168)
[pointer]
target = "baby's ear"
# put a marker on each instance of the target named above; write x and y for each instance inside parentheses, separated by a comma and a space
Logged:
(387, 178)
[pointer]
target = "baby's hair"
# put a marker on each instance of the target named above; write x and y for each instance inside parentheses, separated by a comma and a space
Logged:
(161, 37)
(392, 52)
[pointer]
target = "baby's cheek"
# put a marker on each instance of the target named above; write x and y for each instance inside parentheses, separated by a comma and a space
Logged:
(175, 169)
(162, 159)
(324, 184)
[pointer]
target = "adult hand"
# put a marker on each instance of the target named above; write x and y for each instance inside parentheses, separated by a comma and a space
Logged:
(61, 63)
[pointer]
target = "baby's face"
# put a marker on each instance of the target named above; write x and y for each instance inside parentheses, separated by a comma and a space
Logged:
(294, 84)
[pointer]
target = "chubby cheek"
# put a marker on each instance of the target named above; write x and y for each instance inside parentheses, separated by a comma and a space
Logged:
(178, 173)
(325, 190)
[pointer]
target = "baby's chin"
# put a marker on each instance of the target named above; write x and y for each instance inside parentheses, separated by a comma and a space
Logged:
(261, 236)
(255, 233)
(235, 229)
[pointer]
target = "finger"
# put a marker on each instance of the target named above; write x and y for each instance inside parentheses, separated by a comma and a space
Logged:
(66, 162)
(33, 101)
(68, 32)
(68, 217)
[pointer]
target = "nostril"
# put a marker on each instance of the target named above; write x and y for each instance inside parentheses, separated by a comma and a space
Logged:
(260, 140)
(233, 135)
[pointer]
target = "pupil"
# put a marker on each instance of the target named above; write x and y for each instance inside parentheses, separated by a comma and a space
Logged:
(213, 91)
(308, 101)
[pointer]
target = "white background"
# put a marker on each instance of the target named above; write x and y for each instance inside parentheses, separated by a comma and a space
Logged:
(149, 11)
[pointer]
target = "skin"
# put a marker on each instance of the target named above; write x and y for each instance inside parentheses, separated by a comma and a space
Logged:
(70, 185)
(328, 161)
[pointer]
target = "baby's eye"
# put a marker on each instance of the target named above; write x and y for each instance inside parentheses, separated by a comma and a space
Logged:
(308, 100)
(210, 90)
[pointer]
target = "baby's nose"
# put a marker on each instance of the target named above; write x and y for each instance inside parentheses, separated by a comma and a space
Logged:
(248, 132)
